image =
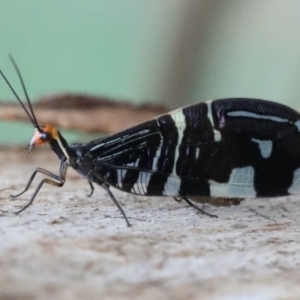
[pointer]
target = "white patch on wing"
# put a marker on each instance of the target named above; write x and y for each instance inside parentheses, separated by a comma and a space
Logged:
(240, 185)
(105, 143)
(132, 135)
(178, 116)
(141, 184)
(154, 163)
(120, 176)
(109, 156)
(157, 153)
(197, 152)
(172, 186)
(295, 186)
(96, 147)
(247, 114)
(217, 133)
(265, 147)
(180, 124)
(136, 163)
(297, 124)
(209, 113)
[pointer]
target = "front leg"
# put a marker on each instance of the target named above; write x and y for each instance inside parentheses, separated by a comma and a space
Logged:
(61, 180)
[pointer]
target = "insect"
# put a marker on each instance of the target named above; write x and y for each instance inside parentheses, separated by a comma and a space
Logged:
(216, 152)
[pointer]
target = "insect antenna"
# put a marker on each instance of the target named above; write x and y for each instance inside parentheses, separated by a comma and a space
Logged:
(32, 116)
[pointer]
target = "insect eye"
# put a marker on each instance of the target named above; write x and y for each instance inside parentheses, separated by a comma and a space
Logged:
(45, 136)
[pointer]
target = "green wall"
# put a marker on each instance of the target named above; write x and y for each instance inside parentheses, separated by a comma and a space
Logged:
(171, 51)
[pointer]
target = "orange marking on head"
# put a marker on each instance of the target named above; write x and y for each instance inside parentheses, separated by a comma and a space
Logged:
(39, 140)
(51, 130)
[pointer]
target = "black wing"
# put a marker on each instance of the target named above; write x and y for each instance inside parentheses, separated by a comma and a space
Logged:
(221, 148)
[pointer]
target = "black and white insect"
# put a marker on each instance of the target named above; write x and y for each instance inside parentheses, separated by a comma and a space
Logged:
(216, 152)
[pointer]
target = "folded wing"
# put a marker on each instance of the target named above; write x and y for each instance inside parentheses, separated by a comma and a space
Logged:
(224, 148)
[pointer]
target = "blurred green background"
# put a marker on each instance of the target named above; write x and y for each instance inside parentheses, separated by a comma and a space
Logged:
(174, 52)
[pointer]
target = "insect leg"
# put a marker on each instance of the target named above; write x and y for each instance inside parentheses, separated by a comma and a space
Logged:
(177, 199)
(61, 180)
(38, 170)
(92, 189)
(106, 187)
(197, 208)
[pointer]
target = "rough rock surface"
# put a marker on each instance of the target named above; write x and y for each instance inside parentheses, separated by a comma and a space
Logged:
(68, 246)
